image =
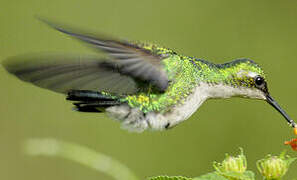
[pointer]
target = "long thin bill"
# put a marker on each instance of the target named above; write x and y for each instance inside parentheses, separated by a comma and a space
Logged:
(273, 103)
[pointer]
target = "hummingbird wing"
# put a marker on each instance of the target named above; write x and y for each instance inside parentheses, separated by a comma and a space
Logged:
(129, 59)
(62, 73)
(128, 64)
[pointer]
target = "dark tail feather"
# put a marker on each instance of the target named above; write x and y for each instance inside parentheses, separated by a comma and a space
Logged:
(91, 101)
(86, 108)
(86, 95)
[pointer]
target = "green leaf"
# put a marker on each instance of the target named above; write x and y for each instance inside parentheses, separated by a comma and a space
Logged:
(247, 175)
(210, 176)
(170, 178)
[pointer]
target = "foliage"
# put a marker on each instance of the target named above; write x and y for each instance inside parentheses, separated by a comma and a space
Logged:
(231, 168)
(170, 178)
(79, 154)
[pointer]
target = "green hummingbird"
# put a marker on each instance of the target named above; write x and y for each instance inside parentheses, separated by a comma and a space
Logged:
(142, 85)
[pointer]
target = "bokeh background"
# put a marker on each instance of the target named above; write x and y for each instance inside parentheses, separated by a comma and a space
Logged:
(216, 30)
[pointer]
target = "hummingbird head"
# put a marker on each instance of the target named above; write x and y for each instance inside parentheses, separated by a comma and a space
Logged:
(247, 79)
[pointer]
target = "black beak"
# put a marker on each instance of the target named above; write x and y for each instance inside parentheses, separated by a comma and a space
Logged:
(273, 103)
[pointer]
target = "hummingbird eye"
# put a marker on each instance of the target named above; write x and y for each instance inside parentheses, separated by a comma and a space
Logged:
(259, 81)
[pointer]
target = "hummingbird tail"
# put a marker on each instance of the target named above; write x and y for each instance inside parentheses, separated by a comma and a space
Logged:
(91, 101)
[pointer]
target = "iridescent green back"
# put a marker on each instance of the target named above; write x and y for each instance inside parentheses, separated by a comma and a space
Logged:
(185, 73)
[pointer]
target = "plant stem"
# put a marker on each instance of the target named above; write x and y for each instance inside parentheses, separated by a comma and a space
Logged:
(79, 154)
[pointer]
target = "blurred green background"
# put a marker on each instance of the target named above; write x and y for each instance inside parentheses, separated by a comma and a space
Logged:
(219, 31)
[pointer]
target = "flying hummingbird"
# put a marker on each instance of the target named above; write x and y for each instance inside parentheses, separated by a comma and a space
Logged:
(142, 85)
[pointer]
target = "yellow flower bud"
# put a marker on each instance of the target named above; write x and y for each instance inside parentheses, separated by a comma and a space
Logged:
(237, 164)
(274, 167)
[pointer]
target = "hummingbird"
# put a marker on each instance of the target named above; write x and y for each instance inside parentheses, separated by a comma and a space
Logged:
(142, 85)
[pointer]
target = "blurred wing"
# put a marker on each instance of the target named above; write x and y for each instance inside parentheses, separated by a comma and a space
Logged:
(130, 59)
(63, 73)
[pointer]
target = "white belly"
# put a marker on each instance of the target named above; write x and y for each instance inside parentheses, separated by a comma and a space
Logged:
(134, 120)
